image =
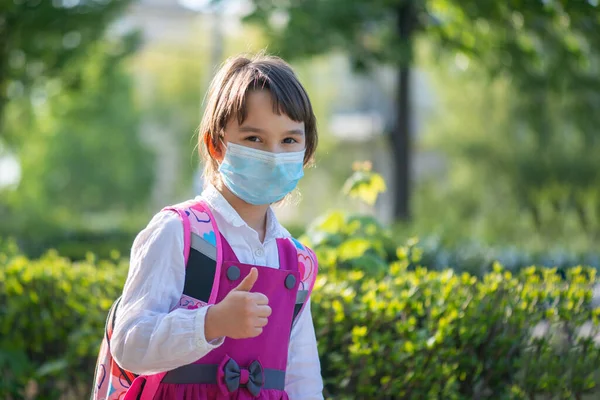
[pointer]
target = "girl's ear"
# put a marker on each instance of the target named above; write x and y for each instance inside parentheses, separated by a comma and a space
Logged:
(216, 152)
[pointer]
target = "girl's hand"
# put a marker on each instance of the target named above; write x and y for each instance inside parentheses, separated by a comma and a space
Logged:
(240, 314)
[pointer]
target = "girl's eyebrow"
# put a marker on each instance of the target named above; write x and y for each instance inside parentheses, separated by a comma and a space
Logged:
(253, 129)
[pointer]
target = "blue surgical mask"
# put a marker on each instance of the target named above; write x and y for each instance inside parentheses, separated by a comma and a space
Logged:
(260, 177)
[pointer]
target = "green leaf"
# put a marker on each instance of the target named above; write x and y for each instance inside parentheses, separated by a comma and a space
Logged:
(365, 186)
(52, 367)
(353, 248)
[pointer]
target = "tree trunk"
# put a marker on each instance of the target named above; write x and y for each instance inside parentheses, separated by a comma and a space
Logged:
(401, 142)
(400, 138)
(7, 24)
(3, 76)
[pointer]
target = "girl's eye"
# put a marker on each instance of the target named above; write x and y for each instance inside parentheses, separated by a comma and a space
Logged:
(289, 140)
(253, 139)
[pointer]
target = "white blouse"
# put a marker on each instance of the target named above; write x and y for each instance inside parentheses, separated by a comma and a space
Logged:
(148, 339)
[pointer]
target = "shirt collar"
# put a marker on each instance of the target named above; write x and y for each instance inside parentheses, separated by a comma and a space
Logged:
(220, 205)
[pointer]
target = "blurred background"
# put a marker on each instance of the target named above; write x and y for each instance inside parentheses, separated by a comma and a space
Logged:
(452, 133)
(481, 117)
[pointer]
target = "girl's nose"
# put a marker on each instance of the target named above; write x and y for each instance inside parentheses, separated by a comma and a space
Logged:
(274, 148)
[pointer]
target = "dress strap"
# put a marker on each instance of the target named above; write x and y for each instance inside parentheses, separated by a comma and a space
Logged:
(228, 253)
(288, 255)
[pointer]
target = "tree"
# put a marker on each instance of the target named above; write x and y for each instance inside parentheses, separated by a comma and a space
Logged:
(504, 186)
(39, 39)
(530, 40)
(546, 53)
(83, 156)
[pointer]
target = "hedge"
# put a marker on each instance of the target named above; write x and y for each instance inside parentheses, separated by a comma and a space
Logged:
(429, 334)
(76, 244)
(52, 314)
(332, 231)
(349, 241)
(401, 333)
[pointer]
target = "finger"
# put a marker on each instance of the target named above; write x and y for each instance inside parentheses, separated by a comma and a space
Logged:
(256, 332)
(263, 311)
(260, 322)
(260, 299)
(248, 282)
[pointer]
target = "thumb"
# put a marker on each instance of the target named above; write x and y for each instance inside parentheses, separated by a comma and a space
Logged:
(248, 282)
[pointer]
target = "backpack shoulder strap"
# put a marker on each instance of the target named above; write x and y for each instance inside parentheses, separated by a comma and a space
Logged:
(308, 268)
(180, 209)
(201, 239)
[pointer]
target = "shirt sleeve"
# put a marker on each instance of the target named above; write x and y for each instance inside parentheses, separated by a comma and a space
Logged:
(148, 337)
(303, 379)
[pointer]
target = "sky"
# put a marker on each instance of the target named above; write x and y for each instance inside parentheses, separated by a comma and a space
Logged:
(10, 171)
(231, 7)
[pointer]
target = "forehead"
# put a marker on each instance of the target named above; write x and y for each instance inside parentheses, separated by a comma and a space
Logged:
(265, 89)
(261, 109)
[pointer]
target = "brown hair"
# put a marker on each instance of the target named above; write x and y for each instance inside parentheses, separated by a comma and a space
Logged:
(228, 94)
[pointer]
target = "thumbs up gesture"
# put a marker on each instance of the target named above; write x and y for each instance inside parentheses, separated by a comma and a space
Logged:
(240, 314)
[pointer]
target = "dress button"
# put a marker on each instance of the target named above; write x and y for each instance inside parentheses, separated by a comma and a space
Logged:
(233, 273)
(259, 252)
(290, 281)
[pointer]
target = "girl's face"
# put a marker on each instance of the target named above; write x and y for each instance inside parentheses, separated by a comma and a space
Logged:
(265, 130)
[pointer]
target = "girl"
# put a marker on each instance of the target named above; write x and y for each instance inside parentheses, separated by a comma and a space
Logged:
(257, 134)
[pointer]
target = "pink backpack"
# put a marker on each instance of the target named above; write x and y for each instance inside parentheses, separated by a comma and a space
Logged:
(202, 254)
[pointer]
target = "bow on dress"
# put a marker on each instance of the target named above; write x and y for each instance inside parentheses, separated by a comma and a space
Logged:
(253, 377)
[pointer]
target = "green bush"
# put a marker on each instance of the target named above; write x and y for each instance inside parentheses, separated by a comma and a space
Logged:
(52, 314)
(76, 244)
(435, 334)
(393, 334)
(76, 236)
(345, 242)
